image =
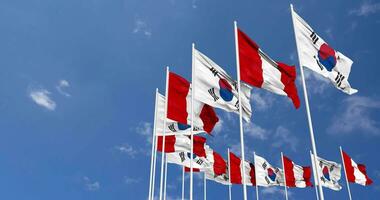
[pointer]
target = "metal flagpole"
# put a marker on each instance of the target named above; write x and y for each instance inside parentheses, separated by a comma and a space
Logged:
(183, 183)
(154, 166)
(163, 138)
(204, 186)
(314, 176)
(283, 167)
(345, 173)
(257, 187)
(314, 148)
(166, 176)
(192, 121)
(240, 108)
(229, 175)
(151, 185)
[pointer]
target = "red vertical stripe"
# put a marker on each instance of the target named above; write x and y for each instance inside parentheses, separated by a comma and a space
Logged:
(363, 170)
(199, 146)
(194, 169)
(349, 168)
(252, 174)
(208, 117)
(307, 176)
(289, 173)
(220, 165)
(251, 70)
(169, 143)
(177, 92)
(288, 78)
(235, 170)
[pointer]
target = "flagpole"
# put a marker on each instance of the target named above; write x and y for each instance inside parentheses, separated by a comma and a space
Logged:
(192, 121)
(229, 175)
(257, 187)
(183, 183)
(154, 165)
(166, 176)
(314, 177)
(240, 108)
(283, 167)
(314, 148)
(204, 186)
(345, 173)
(151, 185)
(164, 134)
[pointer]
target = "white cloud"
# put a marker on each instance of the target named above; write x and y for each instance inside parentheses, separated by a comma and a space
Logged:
(41, 97)
(355, 115)
(62, 84)
(91, 185)
(366, 8)
(127, 149)
(218, 127)
(129, 180)
(255, 131)
(284, 138)
(145, 129)
(329, 33)
(142, 28)
(274, 191)
(315, 83)
(262, 100)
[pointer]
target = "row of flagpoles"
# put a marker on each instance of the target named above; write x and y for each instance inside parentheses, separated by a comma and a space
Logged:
(187, 108)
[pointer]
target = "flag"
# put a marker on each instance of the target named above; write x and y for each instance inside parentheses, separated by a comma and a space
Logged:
(315, 54)
(218, 172)
(329, 173)
(179, 106)
(180, 143)
(259, 70)
(236, 171)
(356, 173)
(266, 174)
(296, 176)
(172, 127)
(187, 169)
(184, 159)
(217, 89)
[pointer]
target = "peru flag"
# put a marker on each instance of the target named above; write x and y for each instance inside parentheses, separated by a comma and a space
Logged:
(218, 172)
(216, 88)
(236, 171)
(181, 143)
(356, 173)
(259, 70)
(179, 106)
(295, 175)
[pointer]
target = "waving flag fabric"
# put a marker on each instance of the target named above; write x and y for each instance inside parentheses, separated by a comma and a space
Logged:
(187, 169)
(179, 106)
(236, 166)
(184, 159)
(218, 172)
(180, 143)
(216, 88)
(266, 174)
(259, 70)
(329, 173)
(296, 176)
(356, 173)
(315, 54)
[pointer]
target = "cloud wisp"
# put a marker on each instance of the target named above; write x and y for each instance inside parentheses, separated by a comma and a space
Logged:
(91, 185)
(366, 8)
(141, 27)
(62, 85)
(42, 98)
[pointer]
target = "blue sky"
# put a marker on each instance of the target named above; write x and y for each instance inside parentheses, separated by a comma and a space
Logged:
(78, 78)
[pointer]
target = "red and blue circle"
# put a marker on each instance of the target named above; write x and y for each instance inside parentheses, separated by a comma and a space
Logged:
(271, 174)
(326, 56)
(225, 90)
(182, 127)
(326, 173)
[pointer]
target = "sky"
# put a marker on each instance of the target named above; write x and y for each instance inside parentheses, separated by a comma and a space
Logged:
(78, 78)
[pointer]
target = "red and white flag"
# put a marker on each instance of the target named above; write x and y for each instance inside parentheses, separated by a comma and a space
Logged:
(259, 70)
(218, 172)
(216, 88)
(296, 176)
(236, 171)
(187, 169)
(181, 143)
(356, 173)
(266, 174)
(179, 106)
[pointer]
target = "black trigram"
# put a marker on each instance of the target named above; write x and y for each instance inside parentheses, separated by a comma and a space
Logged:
(182, 156)
(267, 180)
(264, 165)
(212, 93)
(199, 162)
(339, 79)
(196, 128)
(172, 128)
(314, 37)
(214, 71)
(237, 105)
